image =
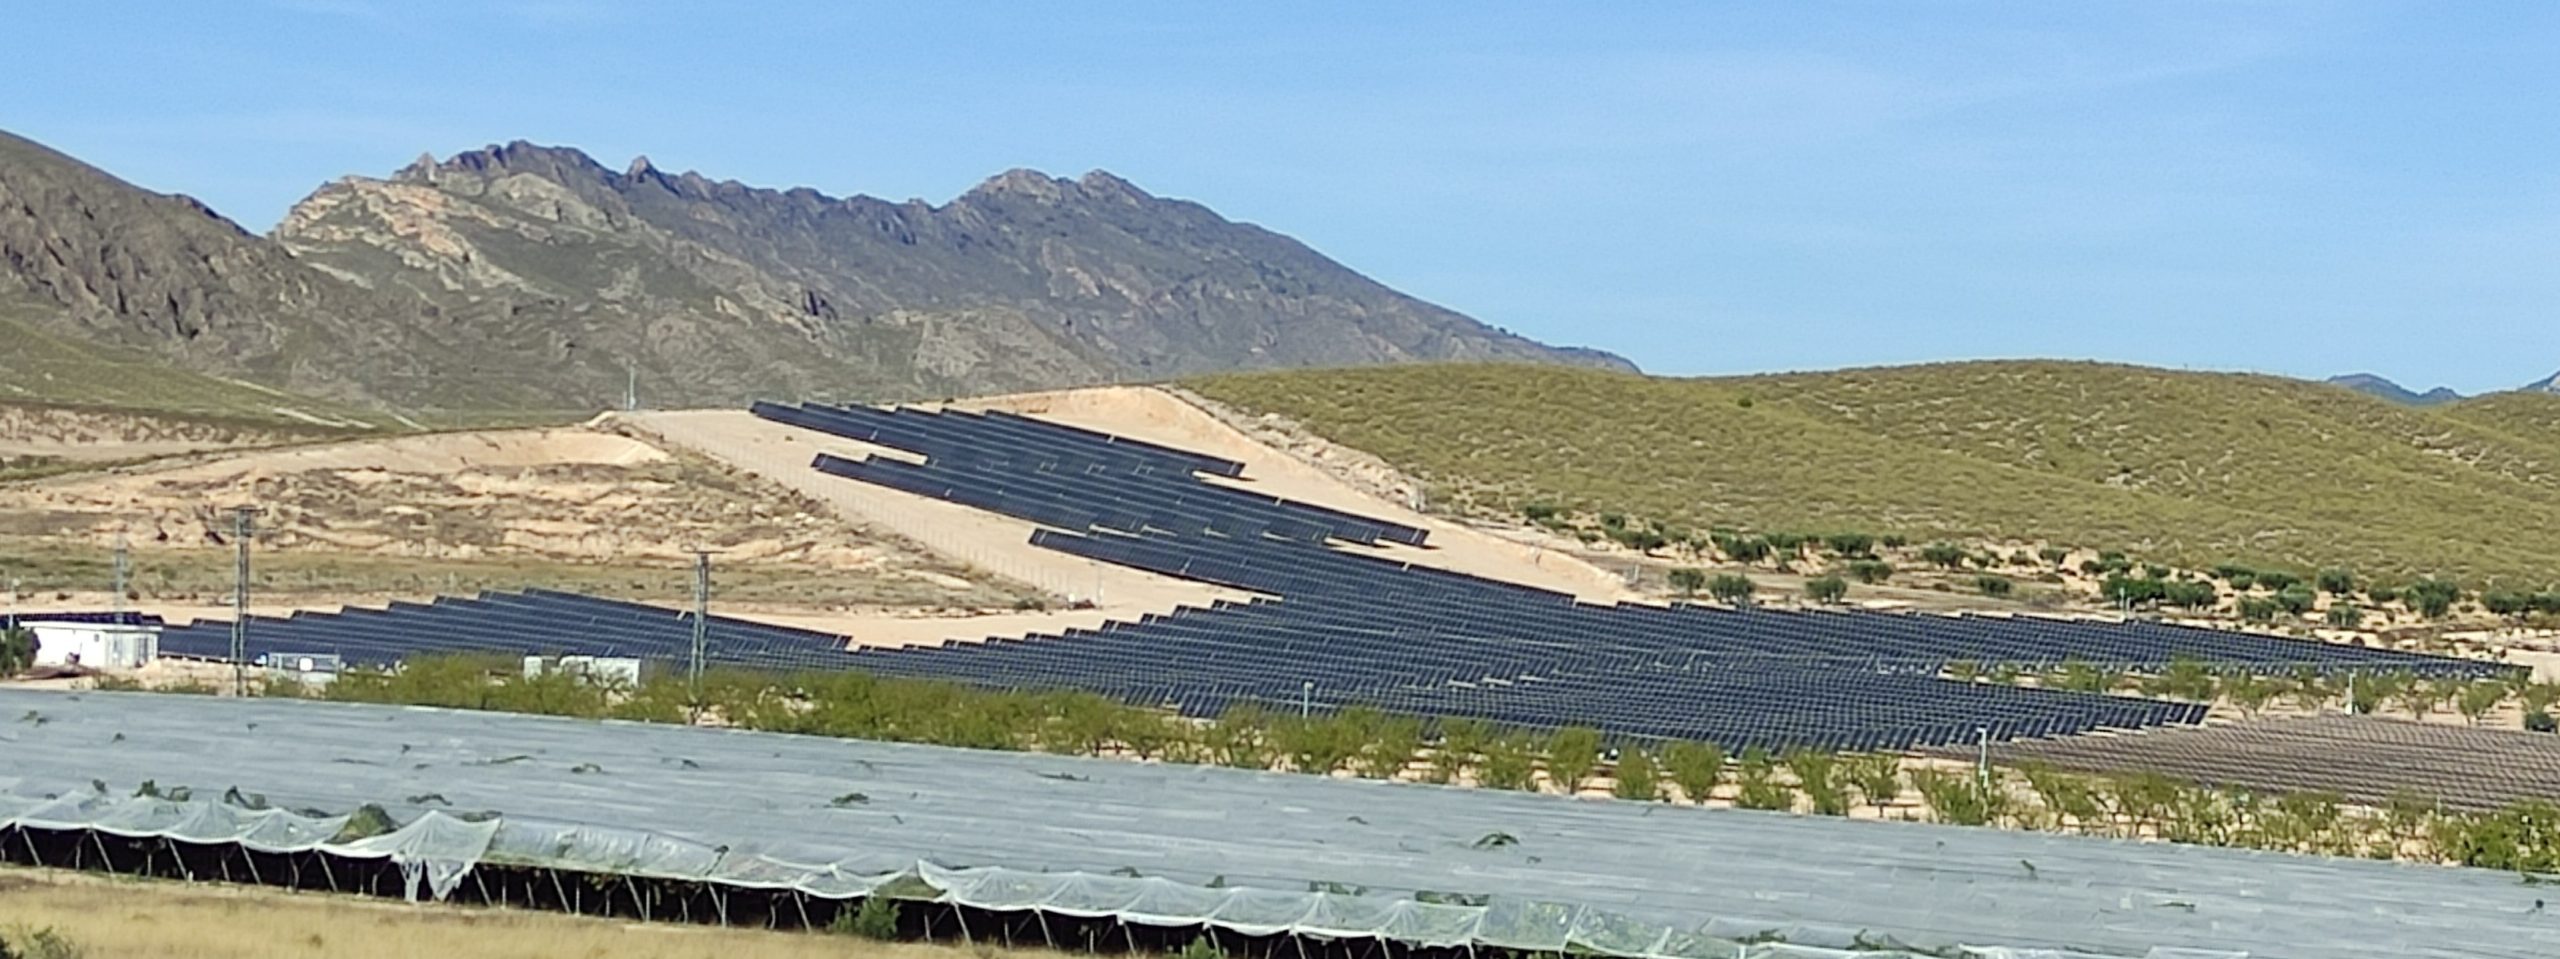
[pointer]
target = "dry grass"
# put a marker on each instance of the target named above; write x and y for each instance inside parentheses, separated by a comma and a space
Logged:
(129, 919)
(2185, 468)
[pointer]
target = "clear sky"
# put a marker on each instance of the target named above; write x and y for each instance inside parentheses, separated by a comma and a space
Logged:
(2297, 188)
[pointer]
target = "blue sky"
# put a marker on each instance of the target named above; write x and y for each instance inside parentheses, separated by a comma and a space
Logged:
(2297, 188)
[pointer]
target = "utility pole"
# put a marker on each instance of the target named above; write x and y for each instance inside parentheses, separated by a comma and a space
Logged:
(242, 527)
(1982, 758)
(123, 563)
(701, 624)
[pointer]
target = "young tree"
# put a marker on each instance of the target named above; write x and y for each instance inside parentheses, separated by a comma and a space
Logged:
(1695, 767)
(1572, 753)
(1461, 740)
(1826, 589)
(1509, 763)
(1850, 544)
(1878, 777)
(2250, 692)
(1687, 580)
(18, 649)
(2475, 700)
(2431, 598)
(1637, 777)
(1756, 781)
(1818, 776)
(1733, 588)
(1870, 571)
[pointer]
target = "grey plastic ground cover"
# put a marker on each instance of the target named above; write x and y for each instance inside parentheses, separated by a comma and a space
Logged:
(1607, 875)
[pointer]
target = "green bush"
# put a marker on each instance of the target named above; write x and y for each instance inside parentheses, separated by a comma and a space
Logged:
(876, 919)
(1637, 777)
(1989, 584)
(1826, 589)
(2431, 597)
(1945, 555)
(1818, 777)
(1870, 571)
(18, 648)
(2344, 616)
(1694, 767)
(1572, 753)
(1850, 544)
(1687, 580)
(1758, 787)
(1732, 588)
(2336, 581)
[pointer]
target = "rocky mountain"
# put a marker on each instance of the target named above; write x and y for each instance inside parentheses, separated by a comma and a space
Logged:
(2548, 384)
(525, 277)
(716, 292)
(2383, 387)
(96, 260)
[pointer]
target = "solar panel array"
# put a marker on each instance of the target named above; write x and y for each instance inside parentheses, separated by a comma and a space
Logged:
(1337, 627)
(531, 623)
(1351, 629)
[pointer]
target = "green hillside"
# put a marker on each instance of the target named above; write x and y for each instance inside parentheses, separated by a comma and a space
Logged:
(41, 369)
(2189, 468)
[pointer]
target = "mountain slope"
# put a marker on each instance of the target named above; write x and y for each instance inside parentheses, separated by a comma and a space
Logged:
(2182, 467)
(2381, 386)
(715, 292)
(98, 261)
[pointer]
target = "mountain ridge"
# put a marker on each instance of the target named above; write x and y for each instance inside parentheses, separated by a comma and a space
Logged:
(520, 276)
(2382, 386)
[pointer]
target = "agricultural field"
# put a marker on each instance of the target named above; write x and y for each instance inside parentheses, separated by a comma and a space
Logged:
(95, 917)
(2189, 469)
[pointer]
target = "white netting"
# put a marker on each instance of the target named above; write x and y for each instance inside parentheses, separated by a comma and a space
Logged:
(436, 851)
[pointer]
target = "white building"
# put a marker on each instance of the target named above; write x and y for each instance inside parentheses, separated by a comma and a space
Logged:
(103, 646)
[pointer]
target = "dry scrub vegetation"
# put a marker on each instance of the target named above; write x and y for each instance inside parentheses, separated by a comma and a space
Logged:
(586, 509)
(126, 919)
(2193, 469)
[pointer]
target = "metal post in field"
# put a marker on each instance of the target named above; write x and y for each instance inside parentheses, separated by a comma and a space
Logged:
(701, 625)
(242, 527)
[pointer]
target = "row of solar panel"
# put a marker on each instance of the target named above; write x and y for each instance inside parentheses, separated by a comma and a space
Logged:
(1012, 465)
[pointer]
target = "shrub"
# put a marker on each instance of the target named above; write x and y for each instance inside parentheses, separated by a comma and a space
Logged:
(1944, 555)
(1637, 777)
(1818, 776)
(2189, 595)
(2296, 599)
(2053, 554)
(1541, 513)
(2276, 580)
(18, 648)
(1850, 544)
(2431, 597)
(2381, 594)
(2344, 616)
(1732, 588)
(2258, 609)
(1694, 767)
(1572, 753)
(1758, 787)
(1201, 948)
(1508, 764)
(1989, 584)
(1687, 580)
(1788, 544)
(2335, 581)
(1893, 541)
(1870, 571)
(1826, 589)
(2506, 602)
(876, 918)
(1878, 777)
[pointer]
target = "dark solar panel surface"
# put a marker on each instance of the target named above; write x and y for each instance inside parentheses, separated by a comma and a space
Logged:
(1336, 628)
